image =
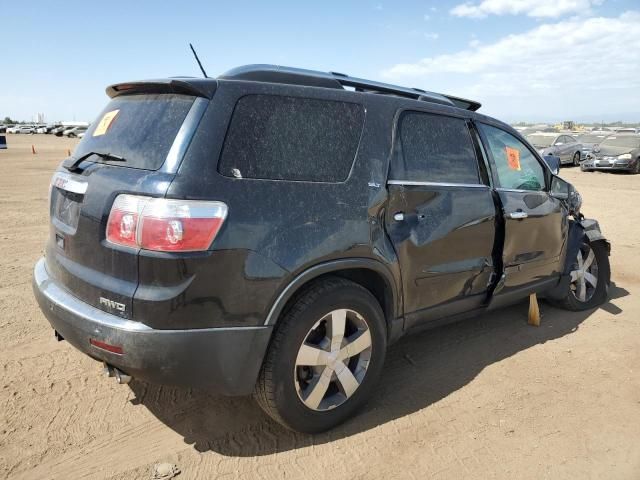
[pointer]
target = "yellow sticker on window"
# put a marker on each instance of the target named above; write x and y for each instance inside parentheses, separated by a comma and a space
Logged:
(105, 123)
(513, 158)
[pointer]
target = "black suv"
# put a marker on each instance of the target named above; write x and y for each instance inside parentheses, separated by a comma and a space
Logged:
(274, 230)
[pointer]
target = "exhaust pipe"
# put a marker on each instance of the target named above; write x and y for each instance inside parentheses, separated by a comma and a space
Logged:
(111, 371)
(121, 377)
(108, 370)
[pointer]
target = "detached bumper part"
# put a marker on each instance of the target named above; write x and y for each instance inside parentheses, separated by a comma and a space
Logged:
(223, 360)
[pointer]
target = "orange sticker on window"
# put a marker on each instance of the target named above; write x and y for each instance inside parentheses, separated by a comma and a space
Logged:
(105, 123)
(513, 158)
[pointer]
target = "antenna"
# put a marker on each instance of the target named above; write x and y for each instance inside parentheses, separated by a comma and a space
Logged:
(198, 60)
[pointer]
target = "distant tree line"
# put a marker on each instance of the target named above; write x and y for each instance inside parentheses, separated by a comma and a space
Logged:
(586, 124)
(9, 121)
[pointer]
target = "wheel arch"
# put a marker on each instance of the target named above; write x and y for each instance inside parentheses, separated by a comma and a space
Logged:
(371, 274)
(578, 230)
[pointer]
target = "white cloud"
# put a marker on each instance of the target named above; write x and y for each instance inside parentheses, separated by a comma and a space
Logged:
(564, 60)
(431, 35)
(532, 8)
(427, 17)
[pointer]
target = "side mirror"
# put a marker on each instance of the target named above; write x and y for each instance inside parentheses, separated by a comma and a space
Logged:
(553, 162)
(559, 188)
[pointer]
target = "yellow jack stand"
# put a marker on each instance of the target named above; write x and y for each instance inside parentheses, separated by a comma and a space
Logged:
(534, 311)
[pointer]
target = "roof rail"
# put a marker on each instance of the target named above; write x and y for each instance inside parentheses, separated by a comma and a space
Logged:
(299, 76)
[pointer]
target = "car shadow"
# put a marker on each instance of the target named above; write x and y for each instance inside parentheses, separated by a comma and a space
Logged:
(420, 370)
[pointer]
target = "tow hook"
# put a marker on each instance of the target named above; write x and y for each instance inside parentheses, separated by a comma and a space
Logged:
(58, 336)
(111, 371)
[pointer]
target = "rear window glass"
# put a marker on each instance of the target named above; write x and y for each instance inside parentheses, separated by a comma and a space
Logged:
(434, 148)
(140, 128)
(289, 138)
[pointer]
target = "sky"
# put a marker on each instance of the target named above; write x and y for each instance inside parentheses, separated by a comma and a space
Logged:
(524, 60)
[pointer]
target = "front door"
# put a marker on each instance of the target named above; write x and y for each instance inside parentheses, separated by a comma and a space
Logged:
(535, 223)
(440, 217)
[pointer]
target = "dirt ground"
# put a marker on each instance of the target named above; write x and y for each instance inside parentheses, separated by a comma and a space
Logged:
(490, 397)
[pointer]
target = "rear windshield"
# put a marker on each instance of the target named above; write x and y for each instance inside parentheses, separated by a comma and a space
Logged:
(540, 140)
(139, 128)
(289, 138)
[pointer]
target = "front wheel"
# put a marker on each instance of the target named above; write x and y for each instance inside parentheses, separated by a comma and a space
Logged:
(576, 159)
(590, 278)
(325, 357)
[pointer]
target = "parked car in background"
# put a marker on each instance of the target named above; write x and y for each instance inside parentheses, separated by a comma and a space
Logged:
(590, 140)
(74, 132)
(616, 152)
(371, 215)
(26, 129)
(13, 128)
(58, 131)
(627, 130)
(560, 145)
(3, 128)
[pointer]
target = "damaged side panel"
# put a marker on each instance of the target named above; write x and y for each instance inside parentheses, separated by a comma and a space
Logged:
(444, 237)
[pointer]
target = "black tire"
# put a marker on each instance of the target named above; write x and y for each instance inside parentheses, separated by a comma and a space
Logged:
(276, 389)
(601, 292)
(576, 159)
(636, 169)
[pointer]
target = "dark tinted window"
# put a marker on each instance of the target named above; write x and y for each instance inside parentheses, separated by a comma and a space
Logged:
(140, 128)
(434, 148)
(289, 138)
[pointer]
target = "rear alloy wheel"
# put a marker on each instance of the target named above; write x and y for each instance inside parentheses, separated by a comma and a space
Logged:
(576, 159)
(333, 360)
(324, 358)
(589, 278)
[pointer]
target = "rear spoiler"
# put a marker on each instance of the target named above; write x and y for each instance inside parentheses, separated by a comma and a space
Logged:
(186, 86)
(464, 103)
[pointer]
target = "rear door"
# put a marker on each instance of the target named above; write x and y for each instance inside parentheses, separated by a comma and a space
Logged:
(535, 223)
(440, 216)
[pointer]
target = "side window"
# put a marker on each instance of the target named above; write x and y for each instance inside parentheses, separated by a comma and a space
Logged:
(570, 139)
(290, 138)
(434, 148)
(514, 165)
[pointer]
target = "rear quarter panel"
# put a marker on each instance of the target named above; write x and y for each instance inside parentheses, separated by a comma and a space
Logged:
(275, 229)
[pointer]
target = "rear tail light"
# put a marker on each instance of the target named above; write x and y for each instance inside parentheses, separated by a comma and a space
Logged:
(164, 225)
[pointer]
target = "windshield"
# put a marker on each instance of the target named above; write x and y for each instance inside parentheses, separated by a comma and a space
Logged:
(541, 140)
(591, 138)
(139, 128)
(626, 141)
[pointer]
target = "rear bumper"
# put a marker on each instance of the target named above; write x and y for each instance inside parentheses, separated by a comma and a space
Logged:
(224, 360)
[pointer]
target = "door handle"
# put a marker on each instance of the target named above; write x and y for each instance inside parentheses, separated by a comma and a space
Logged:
(398, 216)
(518, 215)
